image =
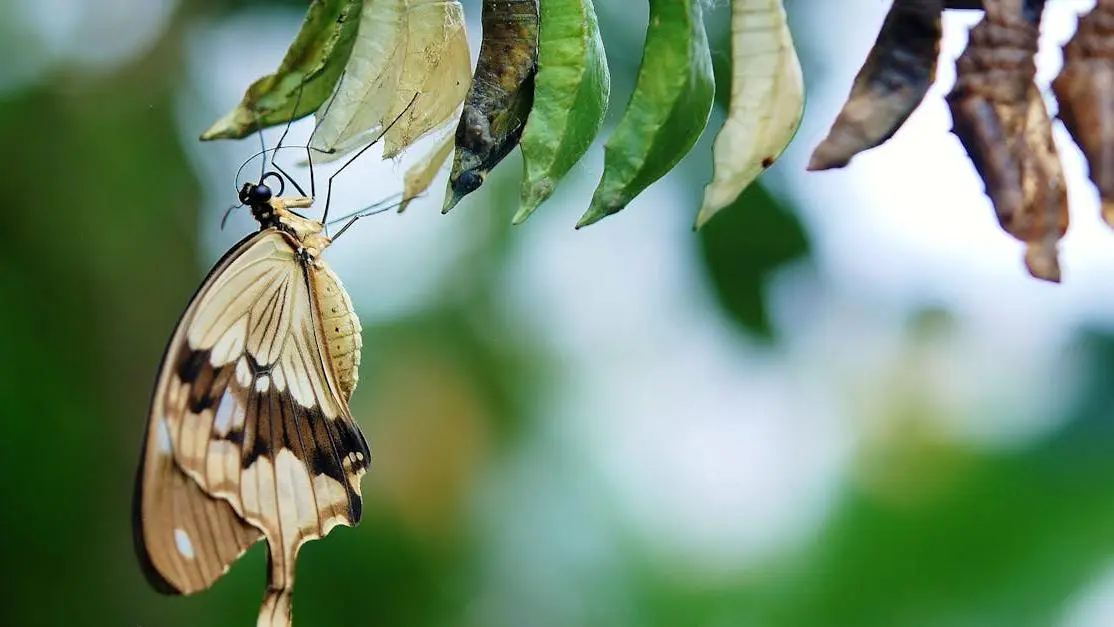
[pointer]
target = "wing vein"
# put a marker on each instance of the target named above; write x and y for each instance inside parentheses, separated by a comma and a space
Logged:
(268, 276)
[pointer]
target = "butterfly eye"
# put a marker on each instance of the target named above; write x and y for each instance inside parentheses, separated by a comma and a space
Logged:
(255, 195)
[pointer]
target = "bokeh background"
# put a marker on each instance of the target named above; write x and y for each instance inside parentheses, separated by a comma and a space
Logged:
(843, 404)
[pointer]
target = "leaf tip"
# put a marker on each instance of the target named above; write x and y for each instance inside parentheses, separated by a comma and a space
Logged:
(717, 195)
(828, 156)
(593, 215)
(533, 195)
(235, 124)
(603, 204)
(521, 215)
(703, 217)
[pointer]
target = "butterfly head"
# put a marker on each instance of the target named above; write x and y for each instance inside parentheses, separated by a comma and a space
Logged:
(260, 197)
(254, 194)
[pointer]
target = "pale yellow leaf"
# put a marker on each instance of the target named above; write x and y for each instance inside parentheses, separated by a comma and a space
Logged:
(419, 176)
(767, 101)
(436, 68)
(366, 90)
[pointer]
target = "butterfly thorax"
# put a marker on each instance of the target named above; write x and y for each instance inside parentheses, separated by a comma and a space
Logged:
(340, 324)
(310, 234)
(313, 245)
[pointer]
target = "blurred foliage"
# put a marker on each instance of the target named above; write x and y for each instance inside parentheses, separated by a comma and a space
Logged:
(102, 252)
(1007, 542)
(1008, 539)
(743, 247)
(79, 349)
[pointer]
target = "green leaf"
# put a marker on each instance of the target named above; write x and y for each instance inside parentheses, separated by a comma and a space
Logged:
(571, 93)
(304, 79)
(767, 101)
(501, 95)
(667, 112)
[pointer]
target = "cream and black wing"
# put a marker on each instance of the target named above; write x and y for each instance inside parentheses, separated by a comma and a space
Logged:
(250, 432)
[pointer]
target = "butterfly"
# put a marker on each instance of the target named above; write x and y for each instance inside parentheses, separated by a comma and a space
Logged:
(249, 434)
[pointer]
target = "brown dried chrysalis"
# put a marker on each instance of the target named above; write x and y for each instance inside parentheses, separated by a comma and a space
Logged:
(1001, 120)
(1085, 92)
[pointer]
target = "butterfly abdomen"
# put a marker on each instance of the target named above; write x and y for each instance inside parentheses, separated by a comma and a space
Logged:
(342, 328)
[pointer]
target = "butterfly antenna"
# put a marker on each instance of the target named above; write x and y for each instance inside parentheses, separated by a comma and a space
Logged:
(309, 160)
(329, 190)
(228, 213)
(282, 138)
(263, 151)
(269, 150)
(262, 146)
(282, 182)
(241, 170)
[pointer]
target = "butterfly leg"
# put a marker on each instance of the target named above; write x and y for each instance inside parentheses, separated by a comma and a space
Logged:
(297, 202)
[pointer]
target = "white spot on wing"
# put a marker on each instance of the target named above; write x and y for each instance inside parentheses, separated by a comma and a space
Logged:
(182, 540)
(243, 372)
(263, 383)
(162, 436)
(222, 423)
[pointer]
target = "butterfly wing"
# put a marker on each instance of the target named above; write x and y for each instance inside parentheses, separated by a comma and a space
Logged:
(185, 539)
(253, 418)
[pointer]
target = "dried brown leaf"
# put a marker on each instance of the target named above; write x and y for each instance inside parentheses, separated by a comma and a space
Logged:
(891, 84)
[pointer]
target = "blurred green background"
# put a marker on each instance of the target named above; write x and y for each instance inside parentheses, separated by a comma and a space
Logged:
(626, 426)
